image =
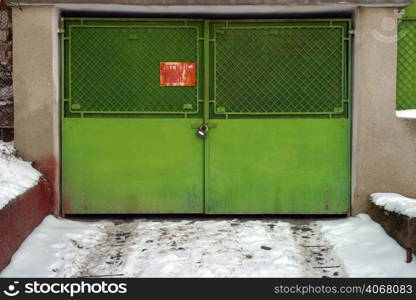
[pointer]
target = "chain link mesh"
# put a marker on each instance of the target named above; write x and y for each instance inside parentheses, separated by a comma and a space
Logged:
(406, 65)
(117, 69)
(6, 88)
(281, 70)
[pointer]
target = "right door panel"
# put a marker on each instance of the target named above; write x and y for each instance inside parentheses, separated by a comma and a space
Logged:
(279, 112)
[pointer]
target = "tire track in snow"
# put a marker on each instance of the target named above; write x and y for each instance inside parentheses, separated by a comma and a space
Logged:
(214, 248)
(151, 243)
(319, 259)
(107, 257)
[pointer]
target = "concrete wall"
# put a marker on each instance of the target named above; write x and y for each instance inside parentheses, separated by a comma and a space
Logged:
(384, 147)
(36, 87)
(400, 227)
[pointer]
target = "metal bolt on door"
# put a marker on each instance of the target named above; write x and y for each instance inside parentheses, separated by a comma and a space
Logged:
(270, 106)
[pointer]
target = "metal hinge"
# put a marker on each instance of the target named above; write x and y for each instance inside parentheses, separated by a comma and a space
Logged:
(61, 30)
(351, 32)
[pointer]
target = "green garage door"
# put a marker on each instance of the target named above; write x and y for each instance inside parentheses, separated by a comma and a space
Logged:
(128, 145)
(280, 106)
(273, 93)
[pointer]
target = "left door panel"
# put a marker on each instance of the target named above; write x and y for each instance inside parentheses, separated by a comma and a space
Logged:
(128, 143)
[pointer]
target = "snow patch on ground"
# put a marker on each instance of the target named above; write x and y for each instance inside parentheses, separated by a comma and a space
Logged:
(185, 248)
(216, 248)
(406, 114)
(354, 246)
(16, 175)
(53, 247)
(365, 249)
(395, 203)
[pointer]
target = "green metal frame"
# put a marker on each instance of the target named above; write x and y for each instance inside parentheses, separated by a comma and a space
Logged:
(70, 109)
(406, 64)
(207, 112)
(343, 25)
(158, 168)
(236, 181)
(206, 63)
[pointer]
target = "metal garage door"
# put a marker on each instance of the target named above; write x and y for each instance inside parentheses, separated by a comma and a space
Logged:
(273, 93)
(128, 145)
(280, 105)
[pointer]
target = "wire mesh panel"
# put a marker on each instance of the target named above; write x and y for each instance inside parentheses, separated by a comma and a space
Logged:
(6, 81)
(279, 70)
(406, 65)
(115, 69)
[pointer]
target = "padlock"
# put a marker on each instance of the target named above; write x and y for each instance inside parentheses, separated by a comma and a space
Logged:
(202, 131)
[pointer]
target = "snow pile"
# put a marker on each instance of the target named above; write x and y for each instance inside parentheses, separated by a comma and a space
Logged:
(406, 114)
(365, 249)
(52, 247)
(395, 203)
(16, 175)
(7, 148)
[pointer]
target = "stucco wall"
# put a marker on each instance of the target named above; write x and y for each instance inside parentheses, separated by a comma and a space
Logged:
(35, 85)
(384, 147)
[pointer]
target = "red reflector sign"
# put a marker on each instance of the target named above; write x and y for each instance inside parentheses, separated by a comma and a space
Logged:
(177, 74)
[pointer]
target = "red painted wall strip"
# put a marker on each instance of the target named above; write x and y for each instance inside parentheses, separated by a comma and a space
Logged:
(49, 167)
(20, 217)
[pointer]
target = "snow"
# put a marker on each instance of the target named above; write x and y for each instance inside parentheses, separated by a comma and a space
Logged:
(365, 248)
(51, 246)
(209, 248)
(395, 203)
(203, 249)
(16, 175)
(406, 114)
